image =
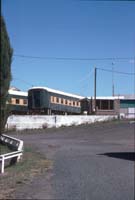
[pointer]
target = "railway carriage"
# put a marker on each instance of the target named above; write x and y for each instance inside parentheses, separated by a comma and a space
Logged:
(43, 100)
(17, 101)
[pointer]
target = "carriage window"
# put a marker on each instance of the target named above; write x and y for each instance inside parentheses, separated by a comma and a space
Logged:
(37, 98)
(29, 100)
(24, 101)
(10, 100)
(17, 101)
(57, 100)
(78, 103)
(52, 99)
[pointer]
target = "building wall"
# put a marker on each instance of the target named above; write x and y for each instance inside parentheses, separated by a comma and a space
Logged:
(100, 110)
(127, 103)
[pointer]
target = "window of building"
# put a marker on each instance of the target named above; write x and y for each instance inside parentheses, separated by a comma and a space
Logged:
(66, 102)
(17, 101)
(111, 104)
(98, 104)
(73, 103)
(62, 101)
(104, 105)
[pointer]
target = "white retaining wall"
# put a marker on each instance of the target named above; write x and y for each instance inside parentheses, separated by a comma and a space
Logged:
(42, 121)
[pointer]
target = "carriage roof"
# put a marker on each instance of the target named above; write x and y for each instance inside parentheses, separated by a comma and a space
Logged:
(58, 92)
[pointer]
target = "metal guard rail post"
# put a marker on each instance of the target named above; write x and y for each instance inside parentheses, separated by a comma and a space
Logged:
(7, 156)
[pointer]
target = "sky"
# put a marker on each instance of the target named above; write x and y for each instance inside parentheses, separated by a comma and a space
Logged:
(78, 30)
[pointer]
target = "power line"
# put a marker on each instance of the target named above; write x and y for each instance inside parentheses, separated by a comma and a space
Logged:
(87, 76)
(71, 58)
(118, 72)
(18, 79)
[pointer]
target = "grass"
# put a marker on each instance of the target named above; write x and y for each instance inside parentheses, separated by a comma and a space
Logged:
(4, 149)
(54, 129)
(32, 164)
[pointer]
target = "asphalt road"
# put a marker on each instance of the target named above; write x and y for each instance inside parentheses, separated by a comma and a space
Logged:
(90, 162)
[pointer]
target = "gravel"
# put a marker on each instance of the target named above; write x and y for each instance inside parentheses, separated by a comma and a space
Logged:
(89, 162)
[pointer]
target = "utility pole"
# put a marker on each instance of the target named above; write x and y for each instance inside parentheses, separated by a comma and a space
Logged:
(95, 88)
(112, 80)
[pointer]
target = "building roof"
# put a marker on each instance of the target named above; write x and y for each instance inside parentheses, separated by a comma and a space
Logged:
(129, 96)
(58, 92)
(108, 97)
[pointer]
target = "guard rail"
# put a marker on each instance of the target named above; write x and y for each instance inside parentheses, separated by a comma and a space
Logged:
(16, 145)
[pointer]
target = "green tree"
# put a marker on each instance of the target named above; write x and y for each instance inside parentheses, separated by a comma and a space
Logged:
(5, 73)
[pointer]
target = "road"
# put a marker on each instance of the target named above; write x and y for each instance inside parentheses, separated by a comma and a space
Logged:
(90, 162)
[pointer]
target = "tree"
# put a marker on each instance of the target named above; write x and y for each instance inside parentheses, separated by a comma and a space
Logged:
(5, 73)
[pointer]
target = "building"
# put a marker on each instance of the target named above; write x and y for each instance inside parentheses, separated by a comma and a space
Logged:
(127, 106)
(114, 105)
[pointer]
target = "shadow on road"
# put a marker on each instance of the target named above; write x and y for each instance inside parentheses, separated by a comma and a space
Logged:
(121, 155)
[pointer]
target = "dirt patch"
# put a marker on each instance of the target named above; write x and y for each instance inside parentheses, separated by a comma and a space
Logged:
(32, 164)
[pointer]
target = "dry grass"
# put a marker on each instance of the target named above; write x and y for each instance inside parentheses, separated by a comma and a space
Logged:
(31, 165)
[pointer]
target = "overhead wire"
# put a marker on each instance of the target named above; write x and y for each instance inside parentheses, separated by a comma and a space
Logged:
(79, 59)
(18, 79)
(84, 83)
(118, 72)
(71, 58)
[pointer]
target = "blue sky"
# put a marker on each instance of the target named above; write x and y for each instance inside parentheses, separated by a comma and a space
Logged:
(73, 29)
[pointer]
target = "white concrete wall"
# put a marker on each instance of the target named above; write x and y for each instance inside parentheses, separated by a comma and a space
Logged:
(131, 113)
(41, 121)
(127, 113)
